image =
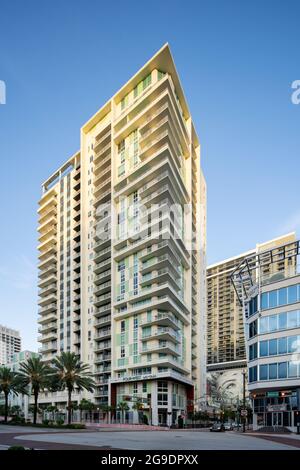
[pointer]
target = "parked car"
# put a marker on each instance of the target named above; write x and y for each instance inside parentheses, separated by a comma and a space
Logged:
(217, 427)
(228, 426)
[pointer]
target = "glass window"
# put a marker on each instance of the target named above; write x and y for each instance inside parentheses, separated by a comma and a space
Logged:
(272, 371)
(282, 345)
(293, 369)
(292, 294)
(292, 344)
(273, 322)
(273, 298)
(282, 370)
(282, 321)
(272, 347)
(263, 324)
(263, 348)
(263, 372)
(282, 296)
(265, 300)
(292, 319)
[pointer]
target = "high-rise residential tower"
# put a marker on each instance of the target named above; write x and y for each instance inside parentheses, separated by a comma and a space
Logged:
(122, 249)
(10, 343)
(226, 352)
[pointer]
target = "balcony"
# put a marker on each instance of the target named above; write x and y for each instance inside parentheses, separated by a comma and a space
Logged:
(102, 151)
(101, 255)
(102, 334)
(102, 177)
(167, 348)
(101, 190)
(100, 278)
(47, 290)
(103, 197)
(102, 164)
(47, 300)
(103, 266)
(162, 334)
(162, 320)
(44, 338)
(102, 347)
(102, 288)
(49, 347)
(102, 311)
(102, 321)
(102, 299)
(51, 278)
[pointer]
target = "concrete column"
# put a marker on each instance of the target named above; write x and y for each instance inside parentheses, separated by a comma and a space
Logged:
(170, 407)
(154, 403)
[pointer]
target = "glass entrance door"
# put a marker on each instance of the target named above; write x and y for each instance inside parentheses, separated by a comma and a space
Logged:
(277, 418)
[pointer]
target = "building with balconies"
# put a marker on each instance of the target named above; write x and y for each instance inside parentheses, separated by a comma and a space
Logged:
(123, 230)
(10, 344)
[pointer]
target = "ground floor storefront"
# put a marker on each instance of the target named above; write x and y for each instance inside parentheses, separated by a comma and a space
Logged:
(163, 402)
(276, 408)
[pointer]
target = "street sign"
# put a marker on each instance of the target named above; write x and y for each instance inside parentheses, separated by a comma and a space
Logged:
(244, 413)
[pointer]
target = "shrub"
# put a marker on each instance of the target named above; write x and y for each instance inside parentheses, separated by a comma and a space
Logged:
(75, 426)
(45, 422)
(59, 422)
(16, 448)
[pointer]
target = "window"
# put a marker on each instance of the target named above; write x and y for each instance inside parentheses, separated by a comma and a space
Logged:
(253, 329)
(263, 372)
(282, 296)
(135, 388)
(144, 387)
(292, 294)
(292, 319)
(253, 374)
(292, 368)
(272, 347)
(253, 351)
(282, 345)
(273, 298)
(273, 322)
(122, 351)
(263, 348)
(292, 344)
(263, 324)
(265, 300)
(273, 371)
(123, 326)
(282, 321)
(282, 370)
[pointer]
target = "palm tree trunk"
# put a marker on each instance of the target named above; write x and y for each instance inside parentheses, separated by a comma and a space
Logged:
(6, 407)
(35, 407)
(69, 405)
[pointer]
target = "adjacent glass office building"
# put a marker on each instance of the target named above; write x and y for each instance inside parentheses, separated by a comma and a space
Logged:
(268, 286)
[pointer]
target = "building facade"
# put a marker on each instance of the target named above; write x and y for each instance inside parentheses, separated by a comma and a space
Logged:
(123, 247)
(20, 400)
(268, 286)
(10, 343)
(226, 351)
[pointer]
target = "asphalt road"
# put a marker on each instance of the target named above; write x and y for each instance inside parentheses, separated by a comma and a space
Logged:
(144, 440)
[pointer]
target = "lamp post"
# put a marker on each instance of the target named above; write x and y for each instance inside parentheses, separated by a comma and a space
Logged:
(244, 399)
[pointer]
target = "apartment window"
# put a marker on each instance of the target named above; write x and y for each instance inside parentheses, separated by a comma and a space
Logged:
(144, 387)
(123, 326)
(135, 388)
(122, 351)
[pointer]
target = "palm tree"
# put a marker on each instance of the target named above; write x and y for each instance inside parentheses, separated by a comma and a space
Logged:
(10, 382)
(86, 405)
(70, 373)
(138, 406)
(122, 406)
(36, 374)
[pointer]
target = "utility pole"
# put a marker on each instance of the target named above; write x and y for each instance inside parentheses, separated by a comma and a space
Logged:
(244, 399)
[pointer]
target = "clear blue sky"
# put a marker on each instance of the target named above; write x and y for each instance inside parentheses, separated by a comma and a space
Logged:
(61, 60)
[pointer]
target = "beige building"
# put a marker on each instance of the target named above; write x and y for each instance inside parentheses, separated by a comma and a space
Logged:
(226, 353)
(10, 343)
(122, 249)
